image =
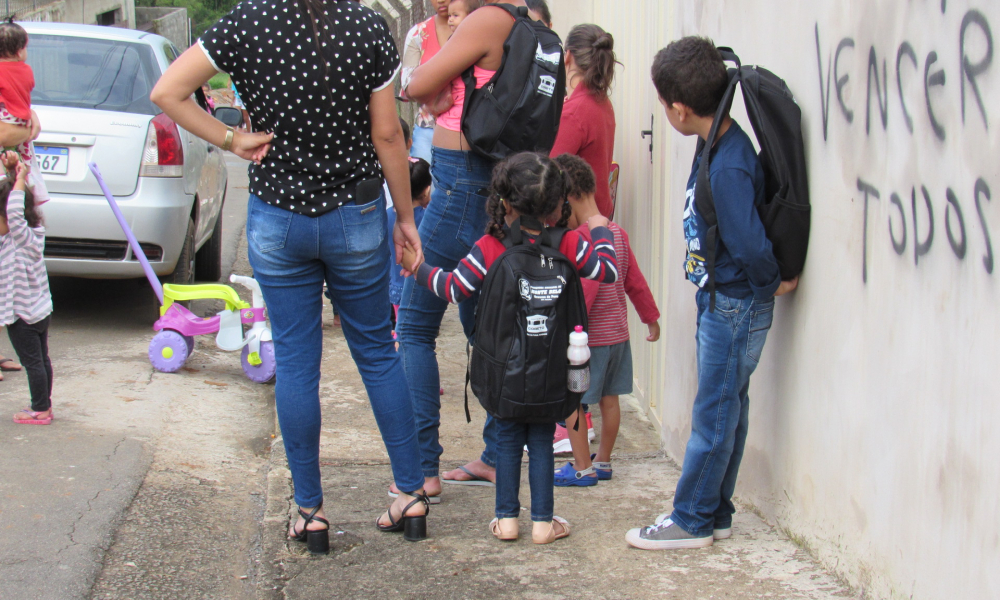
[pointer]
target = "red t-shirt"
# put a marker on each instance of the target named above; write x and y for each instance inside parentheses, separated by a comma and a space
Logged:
(16, 83)
(606, 311)
(587, 129)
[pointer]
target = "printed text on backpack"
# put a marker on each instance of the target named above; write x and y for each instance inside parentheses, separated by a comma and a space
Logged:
(531, 299)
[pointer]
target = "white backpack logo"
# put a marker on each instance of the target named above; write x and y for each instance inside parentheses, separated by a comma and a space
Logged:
(536, 325)
(547, 87)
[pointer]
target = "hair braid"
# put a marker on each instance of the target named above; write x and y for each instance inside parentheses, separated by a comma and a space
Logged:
(496, 212)
(500, 188)
(532, 184)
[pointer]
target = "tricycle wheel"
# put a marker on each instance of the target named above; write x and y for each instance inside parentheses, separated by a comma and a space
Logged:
(263, 372)
(168, 351)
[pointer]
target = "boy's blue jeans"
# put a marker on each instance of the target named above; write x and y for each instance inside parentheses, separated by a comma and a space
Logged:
(291, 256)
(511, 439)
(453, 221)
(729, 343)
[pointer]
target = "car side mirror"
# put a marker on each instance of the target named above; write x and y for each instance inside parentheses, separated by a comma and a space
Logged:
(232, 117)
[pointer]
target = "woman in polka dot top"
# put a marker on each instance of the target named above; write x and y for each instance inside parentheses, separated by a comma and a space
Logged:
(317, 76)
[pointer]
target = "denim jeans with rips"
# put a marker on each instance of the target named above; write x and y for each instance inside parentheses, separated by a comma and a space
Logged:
(729, 344)
(453, 221)
(291, 256)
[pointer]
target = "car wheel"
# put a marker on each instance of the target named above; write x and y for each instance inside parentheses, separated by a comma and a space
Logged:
(208, 260)
(184, 271)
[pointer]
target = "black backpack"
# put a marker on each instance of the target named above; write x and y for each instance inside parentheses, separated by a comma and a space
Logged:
(520, 107)
(530, 302)
(777, 122)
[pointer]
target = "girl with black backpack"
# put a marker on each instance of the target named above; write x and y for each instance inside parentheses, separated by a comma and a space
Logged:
(527, 189)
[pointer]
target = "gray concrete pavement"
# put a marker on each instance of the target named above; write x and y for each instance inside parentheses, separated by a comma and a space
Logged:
(461, 560)
(66, 487)
(159, 486)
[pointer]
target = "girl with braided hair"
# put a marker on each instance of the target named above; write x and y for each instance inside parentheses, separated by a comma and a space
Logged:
(524, 185)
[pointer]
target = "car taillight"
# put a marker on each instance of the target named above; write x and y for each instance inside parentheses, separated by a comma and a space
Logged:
(163, 152)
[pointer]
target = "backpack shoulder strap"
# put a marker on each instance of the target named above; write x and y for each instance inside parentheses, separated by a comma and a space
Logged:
(704, 200)
(515, 11)
(516, 237)
(555, 237)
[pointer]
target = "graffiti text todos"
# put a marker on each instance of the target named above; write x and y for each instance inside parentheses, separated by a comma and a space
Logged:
(918, 216)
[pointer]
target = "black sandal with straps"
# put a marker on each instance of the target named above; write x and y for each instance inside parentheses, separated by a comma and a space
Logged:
(414, 528)
(317, 540)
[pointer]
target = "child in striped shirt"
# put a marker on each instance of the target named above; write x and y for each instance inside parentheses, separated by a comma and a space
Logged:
(524, 185)
(610, 353)
(25, 303)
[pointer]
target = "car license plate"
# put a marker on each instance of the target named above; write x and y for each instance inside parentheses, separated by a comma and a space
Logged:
(52, 159)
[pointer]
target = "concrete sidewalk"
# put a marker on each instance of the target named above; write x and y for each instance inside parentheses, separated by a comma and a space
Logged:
(462, 560)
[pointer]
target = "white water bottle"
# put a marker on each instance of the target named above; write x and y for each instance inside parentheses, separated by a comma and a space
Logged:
(578, 373)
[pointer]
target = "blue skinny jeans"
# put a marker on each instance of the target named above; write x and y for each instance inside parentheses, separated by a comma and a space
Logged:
(291, 256)
(511, 439)
(453, 221)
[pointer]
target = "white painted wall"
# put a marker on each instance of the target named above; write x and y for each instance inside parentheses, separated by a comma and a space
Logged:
(876, 405)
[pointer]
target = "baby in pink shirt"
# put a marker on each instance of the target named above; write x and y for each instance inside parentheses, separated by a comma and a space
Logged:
(16, 83)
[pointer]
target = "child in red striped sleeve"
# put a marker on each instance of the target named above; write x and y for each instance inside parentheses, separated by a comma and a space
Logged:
(533, 185)
(610, 353)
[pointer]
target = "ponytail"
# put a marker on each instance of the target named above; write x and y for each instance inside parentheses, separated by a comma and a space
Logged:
(314, 12)
(593, 51)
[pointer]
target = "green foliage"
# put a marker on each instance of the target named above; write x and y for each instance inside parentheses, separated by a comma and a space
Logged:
(219, 82)
(203, 13)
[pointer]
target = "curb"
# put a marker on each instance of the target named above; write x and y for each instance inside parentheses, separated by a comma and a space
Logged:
(276, 509)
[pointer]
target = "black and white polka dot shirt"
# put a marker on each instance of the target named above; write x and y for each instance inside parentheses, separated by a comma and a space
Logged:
(322, 144)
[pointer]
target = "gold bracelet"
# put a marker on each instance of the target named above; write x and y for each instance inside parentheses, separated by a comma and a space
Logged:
(230, 134)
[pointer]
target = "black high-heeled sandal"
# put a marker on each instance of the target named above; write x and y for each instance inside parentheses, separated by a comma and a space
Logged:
(317, 540)
(414, 528)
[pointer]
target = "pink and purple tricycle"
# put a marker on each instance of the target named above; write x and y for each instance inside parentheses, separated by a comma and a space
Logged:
(174, 341)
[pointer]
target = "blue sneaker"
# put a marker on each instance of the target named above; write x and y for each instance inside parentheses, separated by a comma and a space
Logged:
(568, 476)
(603, 469)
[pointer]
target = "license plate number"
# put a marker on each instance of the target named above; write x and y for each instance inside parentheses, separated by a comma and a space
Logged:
(52, 159)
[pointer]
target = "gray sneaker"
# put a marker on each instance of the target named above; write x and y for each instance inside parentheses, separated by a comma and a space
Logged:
(665, 536)
(717, 534)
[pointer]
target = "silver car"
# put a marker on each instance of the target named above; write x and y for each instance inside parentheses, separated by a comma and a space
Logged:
(91, 94)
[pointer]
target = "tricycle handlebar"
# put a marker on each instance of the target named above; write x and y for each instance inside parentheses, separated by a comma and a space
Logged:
(251, 284)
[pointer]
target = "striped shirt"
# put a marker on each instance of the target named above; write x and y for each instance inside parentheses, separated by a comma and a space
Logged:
(595, 261)
(24, 284)
(607, 313)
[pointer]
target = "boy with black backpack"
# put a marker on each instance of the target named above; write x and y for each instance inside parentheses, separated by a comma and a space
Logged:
(531, 299)
(691, 80)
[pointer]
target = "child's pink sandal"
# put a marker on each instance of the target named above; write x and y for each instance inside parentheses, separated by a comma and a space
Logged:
(33, 418)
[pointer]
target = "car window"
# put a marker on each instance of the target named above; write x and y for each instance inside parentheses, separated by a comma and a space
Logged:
(91, 73)
(170, 52)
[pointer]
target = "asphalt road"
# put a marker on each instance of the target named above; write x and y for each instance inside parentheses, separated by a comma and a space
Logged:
(66, 488)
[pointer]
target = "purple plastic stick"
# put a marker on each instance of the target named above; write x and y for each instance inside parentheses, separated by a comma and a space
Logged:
(136, 248)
